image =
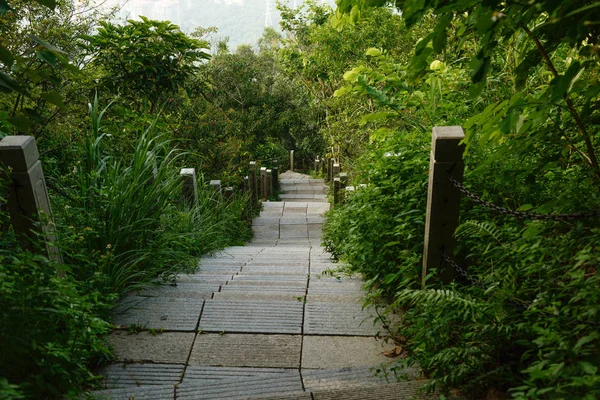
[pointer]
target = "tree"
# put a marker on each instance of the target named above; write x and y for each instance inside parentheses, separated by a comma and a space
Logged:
(145, 61)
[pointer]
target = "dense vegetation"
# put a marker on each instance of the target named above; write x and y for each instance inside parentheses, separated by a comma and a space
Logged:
(117, 110)
(522, 79)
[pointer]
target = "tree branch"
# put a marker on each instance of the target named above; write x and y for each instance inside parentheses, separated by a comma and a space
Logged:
(592, 159)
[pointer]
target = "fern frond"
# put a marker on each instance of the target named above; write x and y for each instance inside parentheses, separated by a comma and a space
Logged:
(476, 229)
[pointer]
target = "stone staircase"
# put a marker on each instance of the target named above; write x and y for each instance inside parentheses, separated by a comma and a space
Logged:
(256, 322)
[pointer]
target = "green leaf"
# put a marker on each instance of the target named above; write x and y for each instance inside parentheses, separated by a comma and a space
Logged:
(47, 56)
(4, 7)
(8, 84)
(563, 82)
(373, 52)
(54, 98)
(21, 123)
(588, 368)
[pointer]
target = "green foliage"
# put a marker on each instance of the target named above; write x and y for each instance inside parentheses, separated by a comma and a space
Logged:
(145, 60)
(51, 327)
(528, 325)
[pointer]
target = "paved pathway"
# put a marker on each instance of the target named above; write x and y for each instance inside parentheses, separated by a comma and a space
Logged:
(256, 322)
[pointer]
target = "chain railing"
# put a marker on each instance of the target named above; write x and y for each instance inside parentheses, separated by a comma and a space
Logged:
(521, 214)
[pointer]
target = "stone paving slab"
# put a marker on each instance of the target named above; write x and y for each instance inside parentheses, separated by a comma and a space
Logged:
(262, 270)
(247, 350)
(291, 279)
(326, 352)
(205, 383)
(285, 220)
(395, 391)
(166, 347)
(168, 313)
(183, 290)
(321, 379)
(268, 220)
(268, 282)
(251, 316)
(338, 319)
(123, 375)
(136, 392)
(258, 296)
(293, 231)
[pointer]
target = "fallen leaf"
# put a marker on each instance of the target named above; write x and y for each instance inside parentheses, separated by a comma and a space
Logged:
(395, 352)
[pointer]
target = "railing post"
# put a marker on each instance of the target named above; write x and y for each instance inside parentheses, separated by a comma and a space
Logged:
(263, 183)
(28, 200)
(215, 187)
(253, 184)
(323, 167)
(190, 189)
(229, 192)
(275, 172)
(443, 199)
(269, 182)
(336, 190)
(336, 169)
(292, 160)
(317, 165)
(330, 169)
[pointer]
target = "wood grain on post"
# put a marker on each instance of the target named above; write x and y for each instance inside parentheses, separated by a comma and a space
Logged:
(28, 202)
(253, 184)
(443, 199)
(292, 160)
(336, 190)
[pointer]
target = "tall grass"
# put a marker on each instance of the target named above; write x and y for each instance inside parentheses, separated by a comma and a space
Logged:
(125, 219)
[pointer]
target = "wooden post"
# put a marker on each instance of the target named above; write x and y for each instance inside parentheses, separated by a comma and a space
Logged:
(292, 160)
(275, 174)
(317, 165)
(190, 189)
(336, 190)
(330, 170)
(215, 186)
(263, 183)
(443, 199)
(269, 182)
(28, 201)
(336, 169)
(323, 167)
(253, 184)
(229, 191)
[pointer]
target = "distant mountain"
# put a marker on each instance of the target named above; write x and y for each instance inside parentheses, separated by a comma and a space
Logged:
(243, 21)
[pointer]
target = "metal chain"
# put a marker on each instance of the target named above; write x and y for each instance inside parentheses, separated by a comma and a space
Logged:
(460, 270)
(520, 214)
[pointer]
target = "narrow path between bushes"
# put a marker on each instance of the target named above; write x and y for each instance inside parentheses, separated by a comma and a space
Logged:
(256, 322)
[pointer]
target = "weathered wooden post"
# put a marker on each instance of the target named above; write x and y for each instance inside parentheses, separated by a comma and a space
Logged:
(330, 169)
(229, 192)
(269, 181)
(292, 160)
(190, 189)
(28, 202)
(275, 171)
(323, 167)
(263, 183)
(215, 187)
(317, 165)
(336, 169)
(443, 199)
(253, 184)
(336, 190)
